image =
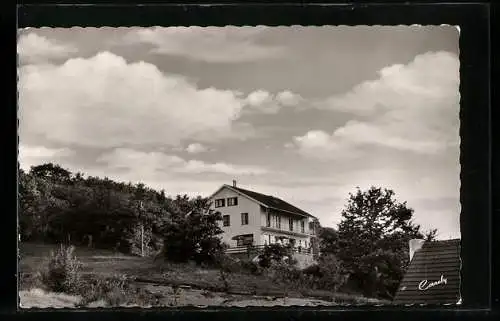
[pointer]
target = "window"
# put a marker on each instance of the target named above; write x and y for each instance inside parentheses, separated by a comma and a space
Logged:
(302, 226)
(244, 240)
(244, 218)
(225, 220)
(311, 228)
(232, 201)
(277, 220)
(220, 202)
(290, 224)
(268, 221)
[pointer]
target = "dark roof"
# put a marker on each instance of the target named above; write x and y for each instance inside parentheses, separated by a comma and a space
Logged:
(271, 201)
(433, 260)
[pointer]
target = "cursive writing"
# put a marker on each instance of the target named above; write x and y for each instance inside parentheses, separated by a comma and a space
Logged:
(425, 284)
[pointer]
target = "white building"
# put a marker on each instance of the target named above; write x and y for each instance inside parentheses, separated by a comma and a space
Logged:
(251, 218)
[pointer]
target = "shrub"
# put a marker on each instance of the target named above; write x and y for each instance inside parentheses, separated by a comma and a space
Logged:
(273, 253)
(251, 267)
(63, 271)
(313, 271)
(332, 273)
(112, 289)
(28, 281)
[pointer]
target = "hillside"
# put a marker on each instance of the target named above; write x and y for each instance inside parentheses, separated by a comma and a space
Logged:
(166, 284)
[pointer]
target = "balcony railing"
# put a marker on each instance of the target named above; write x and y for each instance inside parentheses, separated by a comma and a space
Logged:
(260, 248)
(286, 231)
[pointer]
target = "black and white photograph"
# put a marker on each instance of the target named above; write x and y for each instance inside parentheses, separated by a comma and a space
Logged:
(255, 166)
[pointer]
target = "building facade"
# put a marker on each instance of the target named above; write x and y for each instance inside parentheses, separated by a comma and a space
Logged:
(251, 218)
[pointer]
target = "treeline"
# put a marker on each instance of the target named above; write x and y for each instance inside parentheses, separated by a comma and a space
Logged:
(369, 250)
(58, 206)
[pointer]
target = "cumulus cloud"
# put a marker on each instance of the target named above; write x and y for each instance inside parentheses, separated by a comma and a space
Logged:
(265, 102)
(33, 48)
(104, 101)
(196, 148)
(288, 98)
(413, 107)
(35, 155)
(429, 81)
(149, 163)
(209, 44)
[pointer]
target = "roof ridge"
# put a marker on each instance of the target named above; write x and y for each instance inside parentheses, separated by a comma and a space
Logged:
(266, 199)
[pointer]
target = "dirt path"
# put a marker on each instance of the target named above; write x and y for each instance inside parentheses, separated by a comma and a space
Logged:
(185, 297)
(167, 297)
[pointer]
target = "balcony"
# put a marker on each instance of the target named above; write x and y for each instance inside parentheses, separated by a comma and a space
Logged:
(257, 249)
(284, 231)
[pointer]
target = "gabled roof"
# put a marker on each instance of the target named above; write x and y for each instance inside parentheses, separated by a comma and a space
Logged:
(270, 201)
(436, 261)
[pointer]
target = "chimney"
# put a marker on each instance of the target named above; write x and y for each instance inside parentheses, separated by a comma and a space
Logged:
(234, 183)
(415, 245)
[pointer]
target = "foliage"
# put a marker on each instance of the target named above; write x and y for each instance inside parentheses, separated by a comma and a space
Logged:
(193, 237)
(332, 272)
(113, 289)
(274, 253)
(373, 240)
(63, 271)
(57, 206)
(328, 274)
(252, 267)
(328, 240)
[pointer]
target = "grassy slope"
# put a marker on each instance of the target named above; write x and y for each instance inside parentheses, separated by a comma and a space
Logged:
(104, 262)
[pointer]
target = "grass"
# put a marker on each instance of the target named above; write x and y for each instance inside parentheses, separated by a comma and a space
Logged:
(104, 263)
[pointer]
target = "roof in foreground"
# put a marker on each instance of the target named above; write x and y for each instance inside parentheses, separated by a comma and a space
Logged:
(433, 275)
(271, 201)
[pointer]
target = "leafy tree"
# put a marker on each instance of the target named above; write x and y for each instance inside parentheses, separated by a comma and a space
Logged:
(51, 172)
(193, 237)
(328, 240)
(373, 240)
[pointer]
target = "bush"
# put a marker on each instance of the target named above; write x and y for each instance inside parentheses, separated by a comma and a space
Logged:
(328, 274)
(28, 281)
(251, 267)
(273, 253)
(63, 271)
(313, 271)
(112, 289)
(332, 273)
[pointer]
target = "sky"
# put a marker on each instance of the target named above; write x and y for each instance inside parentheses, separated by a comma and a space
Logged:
(306, 114)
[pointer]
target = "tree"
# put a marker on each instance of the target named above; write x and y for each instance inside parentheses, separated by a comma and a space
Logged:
(51, 172)
(373, 240)
(193, 237)
(328, 240)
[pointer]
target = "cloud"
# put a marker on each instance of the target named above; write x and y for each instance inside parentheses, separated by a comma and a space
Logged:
(149, 164)
(264, 102)
(36, 155)
(431, 80)
(258, 98)
(196, 148)
(288, 98)
(261, 101)
(318, 144)
(412, 108)
(208, 44)
(103, 101)
(33, 48)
